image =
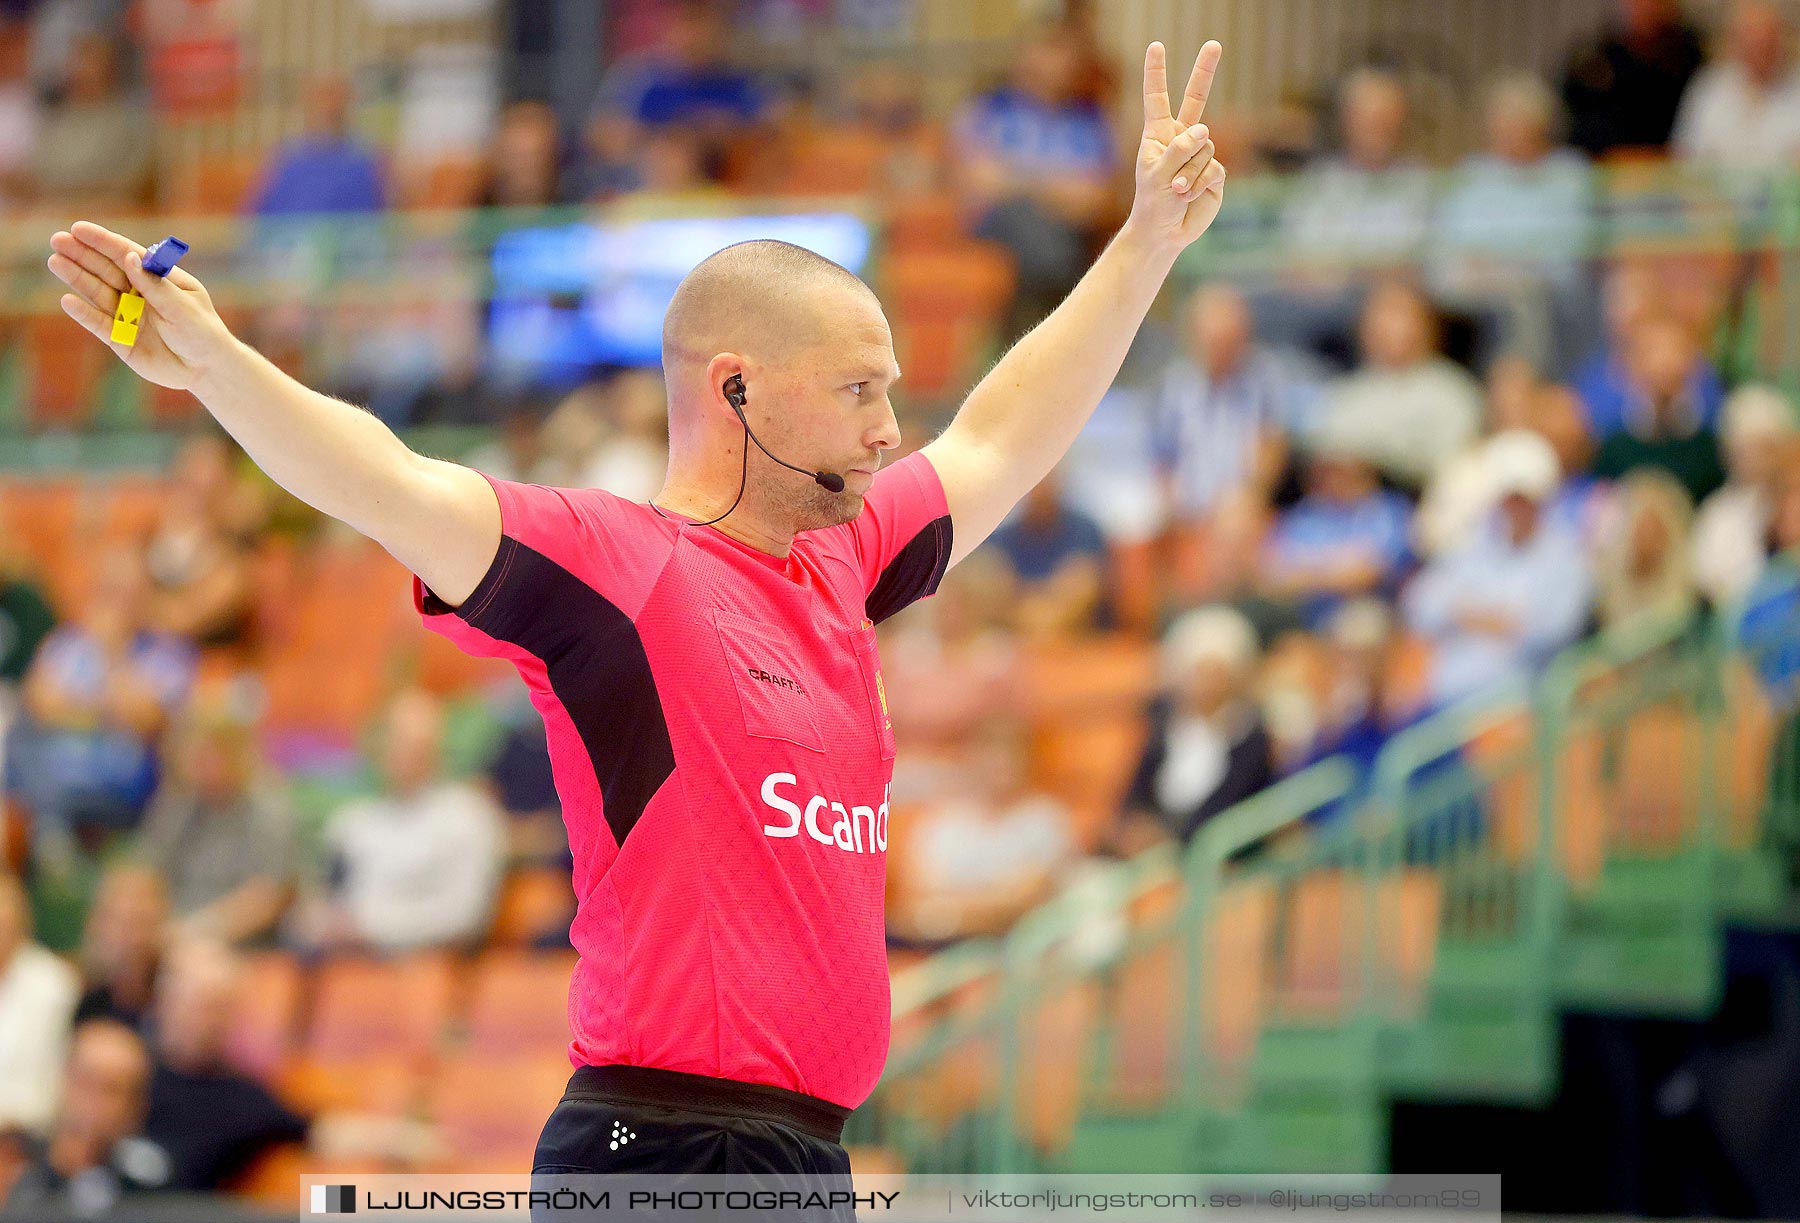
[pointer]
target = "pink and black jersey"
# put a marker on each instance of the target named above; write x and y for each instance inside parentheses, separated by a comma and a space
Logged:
(721, 745)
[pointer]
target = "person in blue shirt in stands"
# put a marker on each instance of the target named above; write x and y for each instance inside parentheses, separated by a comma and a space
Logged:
(1034, 162)
(1057, 557)
(1347, 537)
(324, 170)
(685, 84)
(1518, 591)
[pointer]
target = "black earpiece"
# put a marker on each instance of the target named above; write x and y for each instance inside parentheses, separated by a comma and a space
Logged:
(735, 394)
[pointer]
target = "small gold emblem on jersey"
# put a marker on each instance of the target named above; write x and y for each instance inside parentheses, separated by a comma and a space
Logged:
(881, 691)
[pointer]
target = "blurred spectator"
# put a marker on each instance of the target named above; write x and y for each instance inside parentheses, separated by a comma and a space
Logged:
(1346, 537)
(951, 665)
(981, 857)
(1035, 164)
(237, 495)
(220, 828)
(1360, 710)
(209, 1120)
(202, 585)
(1731, 533)
(1604, 381)
(607, 163)
(1665, 424)
(1513, 229)
(19, 114)
(1096, 75)
(94, 147)
(417, 865)
(1743, 110)
(1502, 606)
(97, 697)
(1458, 499)
(1623, 89)
(1056, 557)
(524, 163)
(1286, 137)
(1372, 201)
(516, 447)
(683, 95)
(95, 1153)
(687, 80)
(1644, 569)
(1223, 410)
(1408, 408)
(37, 1000)
(632, 458)
(1207, 748)
(122, 945)
(324, 169)
(1765, 630)
(520, 778)
(26, 617)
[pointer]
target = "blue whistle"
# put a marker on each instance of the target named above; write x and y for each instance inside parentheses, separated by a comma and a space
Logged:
(164, 255)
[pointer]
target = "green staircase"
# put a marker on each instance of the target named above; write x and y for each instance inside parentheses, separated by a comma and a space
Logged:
(1626, 746)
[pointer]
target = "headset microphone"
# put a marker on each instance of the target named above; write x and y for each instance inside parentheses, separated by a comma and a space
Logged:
(735, 396)
(830, 481)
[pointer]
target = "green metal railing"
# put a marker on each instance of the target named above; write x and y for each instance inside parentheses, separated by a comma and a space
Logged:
(1578, 844)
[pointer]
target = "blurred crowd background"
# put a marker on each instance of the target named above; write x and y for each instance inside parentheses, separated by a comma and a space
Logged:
(1493, 348)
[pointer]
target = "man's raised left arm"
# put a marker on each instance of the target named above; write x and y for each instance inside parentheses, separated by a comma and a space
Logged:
(1021, 419)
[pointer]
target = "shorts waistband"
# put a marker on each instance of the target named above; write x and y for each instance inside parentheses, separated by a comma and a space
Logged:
(703, 1094)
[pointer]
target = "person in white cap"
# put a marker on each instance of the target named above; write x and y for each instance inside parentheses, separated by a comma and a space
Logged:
(1731, 532)
(1518, 592)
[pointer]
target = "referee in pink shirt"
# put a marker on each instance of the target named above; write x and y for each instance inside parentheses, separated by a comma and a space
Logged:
(706, 663)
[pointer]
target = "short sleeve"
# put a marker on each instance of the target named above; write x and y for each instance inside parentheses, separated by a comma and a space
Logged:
(562, 552)
(901, 540)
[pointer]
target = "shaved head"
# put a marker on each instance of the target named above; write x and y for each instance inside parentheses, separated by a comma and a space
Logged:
(758, 297)
(816, 356)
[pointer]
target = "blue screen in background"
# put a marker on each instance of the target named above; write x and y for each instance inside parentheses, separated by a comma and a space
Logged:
(570, 298)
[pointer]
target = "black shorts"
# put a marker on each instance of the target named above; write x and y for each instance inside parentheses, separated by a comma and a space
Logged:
(641, 1120)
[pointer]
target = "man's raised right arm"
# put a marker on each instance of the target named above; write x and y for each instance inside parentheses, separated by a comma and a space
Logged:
(439, 519)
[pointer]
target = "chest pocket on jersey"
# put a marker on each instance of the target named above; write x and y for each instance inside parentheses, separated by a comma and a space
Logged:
(775, 696)
(868, 660)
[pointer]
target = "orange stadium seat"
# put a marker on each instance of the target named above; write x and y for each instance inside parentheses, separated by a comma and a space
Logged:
(1053, 1063)
(386, 1085)
(268, 1012)
(491, 1110)
(1235, 972)
(1582, 807)
(1657, 784)
(42, 514)
(1328, 936)
(131, 505)
(65, 367)
(1747, 753)
(1088, 765)
(273, 1179)
(928, 222)
(1091, 678)
(1318, 963)
(1409, 908)
(373, 1008)
(1502, 753)
(946, 308)
(834, 161)
(518, 1003)
(449, 182)
(534, 900)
